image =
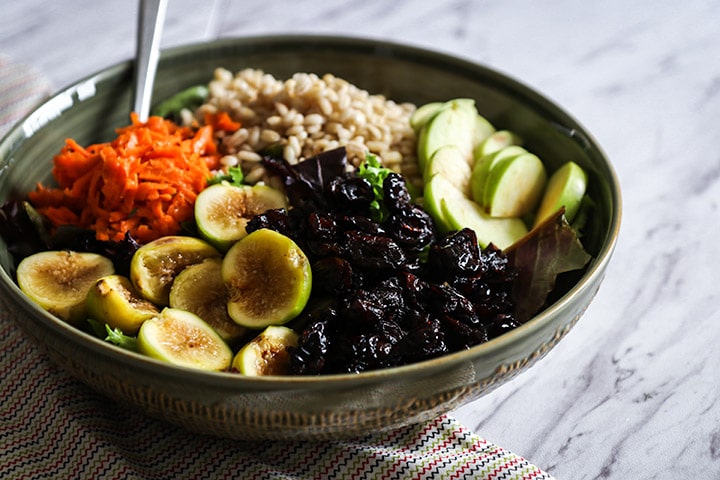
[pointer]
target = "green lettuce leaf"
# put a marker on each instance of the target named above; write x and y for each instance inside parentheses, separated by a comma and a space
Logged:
(190, 98)
(373, 171)
(117, 337)
(234, 176)
(114, 336)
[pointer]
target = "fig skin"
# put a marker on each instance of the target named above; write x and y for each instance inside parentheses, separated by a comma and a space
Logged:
(223, 210)
(266, 354)
(155, 265)
(183, 339)
(58, 281)
(114, 301)
(200, 289)
(269, 279)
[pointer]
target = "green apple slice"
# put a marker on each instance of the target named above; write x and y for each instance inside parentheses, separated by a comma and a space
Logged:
(422, 115)
(483, 166)
(449, 162)
(566, 188)
(268, 279)
(454, 124)
(183, 339)
(483, 129)
(462, 212)
(514, 186)
(494, 142)
(223, 210)
(266, 354)
(452, 210)
(436, 189)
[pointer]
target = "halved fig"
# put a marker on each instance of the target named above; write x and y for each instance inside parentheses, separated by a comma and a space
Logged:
(222, 210)
(113, 300)
(200, 289)
(266, 354)
(184, 339)
(155, 265)
(269, 279)
(59, 280)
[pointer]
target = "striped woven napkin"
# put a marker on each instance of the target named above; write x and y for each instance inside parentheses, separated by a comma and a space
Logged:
(52, 426)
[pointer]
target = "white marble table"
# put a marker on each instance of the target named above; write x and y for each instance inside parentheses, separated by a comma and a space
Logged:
(633, 391)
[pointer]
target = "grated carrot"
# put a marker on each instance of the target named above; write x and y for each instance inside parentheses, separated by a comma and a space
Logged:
(143, 183)
(221, 121)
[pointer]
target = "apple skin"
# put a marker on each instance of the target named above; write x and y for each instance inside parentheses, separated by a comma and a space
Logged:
(514, 186)
(423, 114)
(483, 166)
(501, 232)
(565, 188)
(494, 142)
(452, 210)
(449, 162)
(453, 124)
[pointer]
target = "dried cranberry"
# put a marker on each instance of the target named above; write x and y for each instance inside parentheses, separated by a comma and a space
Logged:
(309, 356)
(361, 223)
(372, 251)
(425, 338)
(411, 227)
(445, 300)
(460, 335)
(277, 219)
(332, 275)
(501, 324)
(395, 192)
(354, 193)
(390, 293)
(457, 253)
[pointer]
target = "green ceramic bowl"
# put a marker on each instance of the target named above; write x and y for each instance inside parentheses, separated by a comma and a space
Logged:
(229, 405)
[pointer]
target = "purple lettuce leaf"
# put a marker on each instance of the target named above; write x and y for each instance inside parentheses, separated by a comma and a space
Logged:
(549, 250)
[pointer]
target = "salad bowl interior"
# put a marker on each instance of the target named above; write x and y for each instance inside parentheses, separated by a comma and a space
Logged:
(326, 406)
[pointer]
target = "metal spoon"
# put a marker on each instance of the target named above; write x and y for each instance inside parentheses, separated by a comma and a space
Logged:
(151, 18)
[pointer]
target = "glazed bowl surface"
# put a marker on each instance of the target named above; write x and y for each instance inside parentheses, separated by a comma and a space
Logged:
(322, 407)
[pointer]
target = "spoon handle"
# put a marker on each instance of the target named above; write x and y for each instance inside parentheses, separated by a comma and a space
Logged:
(150, 23)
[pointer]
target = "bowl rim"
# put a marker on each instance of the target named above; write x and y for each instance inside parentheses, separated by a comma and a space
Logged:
(502, 81)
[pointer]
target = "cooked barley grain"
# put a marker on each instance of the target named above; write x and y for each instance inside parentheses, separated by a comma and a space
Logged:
(307, 114)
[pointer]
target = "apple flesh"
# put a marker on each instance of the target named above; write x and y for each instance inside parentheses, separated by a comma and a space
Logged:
(483, 166)
(453, 124)
(436, 190)
(423, 114)
(461, 212)
(514, 186)
(483, 129)
(453, 210)
(494, 142)
(566, 188)
(449, 162)
(481, 178)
